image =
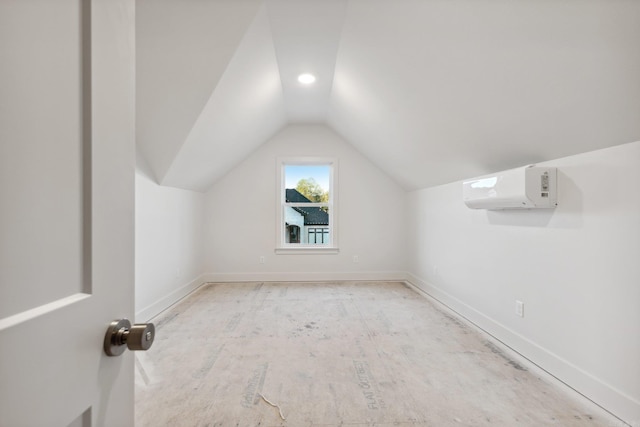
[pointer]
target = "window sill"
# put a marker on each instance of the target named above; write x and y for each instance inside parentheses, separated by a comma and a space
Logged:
(306, 251)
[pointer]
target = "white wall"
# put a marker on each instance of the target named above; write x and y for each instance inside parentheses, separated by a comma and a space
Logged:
(576, 268)
(241, 216)
(169, 245)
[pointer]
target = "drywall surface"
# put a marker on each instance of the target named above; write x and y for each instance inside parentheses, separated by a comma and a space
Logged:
(182, 51)
(241, 216)
(575, 268)
(169, 245)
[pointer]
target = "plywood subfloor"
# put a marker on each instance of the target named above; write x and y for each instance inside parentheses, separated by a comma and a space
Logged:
(337, 354)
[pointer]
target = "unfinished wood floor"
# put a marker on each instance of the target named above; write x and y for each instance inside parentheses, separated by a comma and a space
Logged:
(337, 354)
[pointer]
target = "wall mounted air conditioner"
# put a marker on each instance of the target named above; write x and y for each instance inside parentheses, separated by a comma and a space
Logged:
(527, 187)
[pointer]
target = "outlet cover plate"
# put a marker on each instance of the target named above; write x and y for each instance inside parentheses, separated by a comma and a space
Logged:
(519, 308)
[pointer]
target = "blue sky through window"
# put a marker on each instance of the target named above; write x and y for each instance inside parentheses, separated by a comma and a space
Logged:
(294, 173)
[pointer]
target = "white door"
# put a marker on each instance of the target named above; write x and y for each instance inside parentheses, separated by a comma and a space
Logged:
(66, 210)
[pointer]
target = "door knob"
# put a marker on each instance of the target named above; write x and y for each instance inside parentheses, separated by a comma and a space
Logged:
(121, 334)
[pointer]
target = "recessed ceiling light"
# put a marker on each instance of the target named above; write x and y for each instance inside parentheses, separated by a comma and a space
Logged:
(306, 79)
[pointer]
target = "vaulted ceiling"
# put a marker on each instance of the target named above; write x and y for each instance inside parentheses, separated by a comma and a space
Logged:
(431, 91)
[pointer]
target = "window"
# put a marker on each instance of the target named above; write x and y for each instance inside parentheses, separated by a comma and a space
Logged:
(307, 208)
(318, 235)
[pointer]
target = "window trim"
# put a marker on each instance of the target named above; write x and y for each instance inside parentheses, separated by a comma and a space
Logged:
(296, 248)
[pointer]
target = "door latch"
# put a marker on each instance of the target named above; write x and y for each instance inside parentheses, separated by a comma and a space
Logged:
(120, 335)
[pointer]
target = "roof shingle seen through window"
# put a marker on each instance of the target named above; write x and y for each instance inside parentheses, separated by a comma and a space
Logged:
(313, 215)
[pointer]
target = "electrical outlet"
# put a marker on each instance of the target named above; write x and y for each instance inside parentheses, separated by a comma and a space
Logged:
(520, 308)
(261, 259)
(356, 259)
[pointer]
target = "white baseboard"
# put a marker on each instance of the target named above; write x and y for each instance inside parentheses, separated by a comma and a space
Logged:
(604, 395)
(167, 301)
(306, 276)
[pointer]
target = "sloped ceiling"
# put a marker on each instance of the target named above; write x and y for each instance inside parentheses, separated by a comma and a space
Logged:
(244, 110)
(430, 91)
(182, 50)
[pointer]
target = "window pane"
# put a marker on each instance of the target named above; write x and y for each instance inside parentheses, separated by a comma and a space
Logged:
(317, 236)
(307, 184)
(306, 225)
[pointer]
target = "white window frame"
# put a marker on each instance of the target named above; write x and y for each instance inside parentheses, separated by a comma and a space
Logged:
(282, 247)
